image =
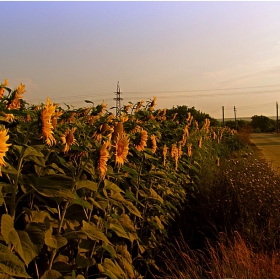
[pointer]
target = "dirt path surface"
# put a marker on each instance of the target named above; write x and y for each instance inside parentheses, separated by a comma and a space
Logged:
(268, 146)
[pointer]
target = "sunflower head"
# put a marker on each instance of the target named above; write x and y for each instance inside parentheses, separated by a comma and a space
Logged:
(68, 139)
(141, 140)
(154, 143)
(3, 146)
(121, 150)
(47, 127)
(103, 158)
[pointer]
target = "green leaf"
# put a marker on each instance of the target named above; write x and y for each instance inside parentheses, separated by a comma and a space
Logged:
(30, 151)
(10, 264)
(87, 184)
(20, 239)
(51, 274)
(132, 209)
(83, 261)
(110, 248)
(56, 167)
(112, 269)
(95, 203)
(9, 169)
(54, 241)
(147, 156)
(117, 227)
(26, 249)
(7, 228)
(108, 185)
(155, 196)
(94, 233)
(65, 164)
(81, 202)
(130, 170)
(49, 188)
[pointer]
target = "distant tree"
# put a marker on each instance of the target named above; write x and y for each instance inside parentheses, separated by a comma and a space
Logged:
(240, 124)
(198, 115)
(263, 124)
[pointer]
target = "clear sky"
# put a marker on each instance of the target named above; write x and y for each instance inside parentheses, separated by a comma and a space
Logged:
(201, 54)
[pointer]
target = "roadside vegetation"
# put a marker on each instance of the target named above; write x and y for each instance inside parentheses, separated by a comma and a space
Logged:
(163, 193)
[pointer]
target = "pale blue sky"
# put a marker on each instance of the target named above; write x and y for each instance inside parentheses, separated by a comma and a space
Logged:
(72, 51)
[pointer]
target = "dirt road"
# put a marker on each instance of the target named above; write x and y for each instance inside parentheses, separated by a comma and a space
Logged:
(268, 146)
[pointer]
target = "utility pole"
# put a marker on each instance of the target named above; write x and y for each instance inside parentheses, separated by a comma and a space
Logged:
(277, 117)
(234, 109)
(223, 112)
(118, 100)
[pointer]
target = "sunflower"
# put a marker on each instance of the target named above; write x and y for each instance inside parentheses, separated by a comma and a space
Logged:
(153, 104)
(103, 107)
(139, 105)
(164, 152)
(15, 102)
(68, 139)
(122, 149)
(54, 118)
(142, 143)
(189, 150)
(3, 146)
(118, 131)
(154, 143)
(47, 128)
(175, 155)
(2, 90)
(104, 156)
(200, 142)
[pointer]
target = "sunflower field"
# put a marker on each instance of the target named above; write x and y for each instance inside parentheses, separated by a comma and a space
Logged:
(86, 194)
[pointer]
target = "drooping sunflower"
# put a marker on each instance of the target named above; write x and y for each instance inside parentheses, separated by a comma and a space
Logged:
(2, 90)
(190, 150)
(122, 150)
(68, 139)
(3, 146)
(15, 102)
(103, 158)
(139, 105)
(54, 118)
(164, 152)
(47, 127)
(154, 143)
(141, 143)
(153, 104)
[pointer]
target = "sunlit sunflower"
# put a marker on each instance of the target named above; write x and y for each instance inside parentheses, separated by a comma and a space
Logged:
(3, 146)
(127, 107)
(139, 105)
(175, 155)
(118, 131)
(189, 150)
(103, 107)
(2, 90)
(15, 102)
(122, 149)
(54, 118)
(103, 128)
(164, 152)
(68, 139)
(142, 141)
(9, 117)
(104, 156)
(200, 142)
(154, 143)
(47, 128)
(153, 104)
